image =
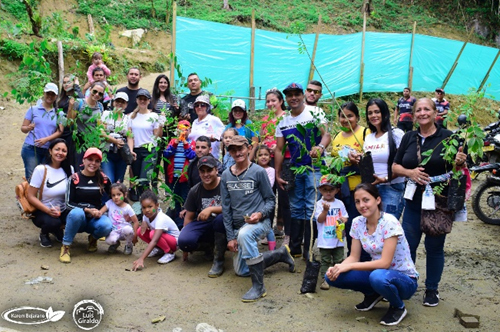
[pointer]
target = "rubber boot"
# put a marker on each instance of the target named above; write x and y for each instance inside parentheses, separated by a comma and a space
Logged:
(296, 236)
(220, 244)
(271, 245)
(256, 266)
(280, 255)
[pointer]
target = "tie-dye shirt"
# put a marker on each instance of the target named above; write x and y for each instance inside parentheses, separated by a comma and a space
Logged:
(388, 226)
(120, 216)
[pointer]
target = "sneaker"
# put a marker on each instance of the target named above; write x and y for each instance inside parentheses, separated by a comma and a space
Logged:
(431, 298)
(129, 247)
(393, 316)
(65, 256)
(155, 252)
(92, 246)
(167, 258)
(112, 248)
(45, 240)
(369, 302)
(278, 233)
(324, 285)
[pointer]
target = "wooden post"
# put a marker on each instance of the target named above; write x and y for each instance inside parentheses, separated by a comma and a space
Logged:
(362, 67)
(410, 73)
(172, 58)
(456, 61)
(483, 82)
(252, 55)
(91, 24)
(313, 57)
(60, 63)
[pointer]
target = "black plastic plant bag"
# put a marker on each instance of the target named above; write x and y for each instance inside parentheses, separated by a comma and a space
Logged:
(310, 277)
(456, 193)
(366, 168)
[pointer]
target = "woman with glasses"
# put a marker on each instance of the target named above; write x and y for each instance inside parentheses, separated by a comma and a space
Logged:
(206, 124)
(40, 125)
(86, 114)
(238, 119)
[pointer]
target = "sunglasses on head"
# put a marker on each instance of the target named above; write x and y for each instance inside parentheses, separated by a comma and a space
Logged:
(97, 92)
(316, 92)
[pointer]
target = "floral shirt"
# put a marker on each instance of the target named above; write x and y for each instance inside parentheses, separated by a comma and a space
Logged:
(388, 226)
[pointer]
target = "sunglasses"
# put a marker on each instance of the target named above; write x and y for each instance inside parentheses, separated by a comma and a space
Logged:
(200, 105)
(94, 92)
(316, 92)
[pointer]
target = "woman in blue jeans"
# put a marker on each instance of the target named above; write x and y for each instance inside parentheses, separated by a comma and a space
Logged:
(383, 143)
(84, 197)
(391, 273)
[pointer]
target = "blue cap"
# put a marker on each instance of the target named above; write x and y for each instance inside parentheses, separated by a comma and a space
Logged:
(293, 87)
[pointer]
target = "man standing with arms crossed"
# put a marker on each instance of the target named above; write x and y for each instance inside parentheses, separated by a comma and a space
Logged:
(303, 149)
(404, 109)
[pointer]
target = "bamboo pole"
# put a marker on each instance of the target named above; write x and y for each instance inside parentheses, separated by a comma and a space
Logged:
(410, 73)
(60, 63)
(91, 24)
(172, 58)
(312, 67)
(456, 61)
(362, 67)
(483, 82)
(252, 59)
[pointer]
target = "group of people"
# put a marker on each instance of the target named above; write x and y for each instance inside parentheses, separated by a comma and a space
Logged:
(224, 180)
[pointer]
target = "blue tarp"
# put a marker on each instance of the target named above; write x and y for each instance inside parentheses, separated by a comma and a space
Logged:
(221, 52)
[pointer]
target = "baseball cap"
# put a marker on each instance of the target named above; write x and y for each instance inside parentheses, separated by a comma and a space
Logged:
(143, 92)
(121, 95)
(51, 87)
(209, 161)
(326, 181)
(440, 90)
(237, 140)
(293, 87)
(93, 151)
(239, 103)
(184, 123)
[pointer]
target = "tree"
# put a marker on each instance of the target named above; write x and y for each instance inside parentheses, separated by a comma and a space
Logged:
(34, 16)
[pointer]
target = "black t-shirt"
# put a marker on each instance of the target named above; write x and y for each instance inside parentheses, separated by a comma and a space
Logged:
(407, 153)
(85, 192)
(132, 98)
(200, 198)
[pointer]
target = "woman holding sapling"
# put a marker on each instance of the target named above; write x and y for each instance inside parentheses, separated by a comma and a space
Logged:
(420, 160)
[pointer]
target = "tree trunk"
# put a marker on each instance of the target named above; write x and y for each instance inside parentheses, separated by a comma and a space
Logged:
(35, 24)
(226, 5)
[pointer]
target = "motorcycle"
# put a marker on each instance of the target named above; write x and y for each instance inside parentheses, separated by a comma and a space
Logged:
(486, 198)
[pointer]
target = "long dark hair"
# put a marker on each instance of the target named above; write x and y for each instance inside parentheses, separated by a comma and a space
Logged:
(157, 93)
(372, 190)
(243, 119)
(123, 188)
(64, 95)
(351, 107)
(65, 164)
(277, 93)
(385, 127)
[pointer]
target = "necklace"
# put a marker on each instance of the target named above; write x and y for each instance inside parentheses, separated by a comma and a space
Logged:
(244, 173)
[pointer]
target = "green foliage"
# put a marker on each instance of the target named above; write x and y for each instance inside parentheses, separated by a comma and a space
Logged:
(16, 8)
(56, 26)
(13, 50)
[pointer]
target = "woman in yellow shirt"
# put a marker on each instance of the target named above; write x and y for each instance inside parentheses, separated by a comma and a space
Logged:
(346, 144)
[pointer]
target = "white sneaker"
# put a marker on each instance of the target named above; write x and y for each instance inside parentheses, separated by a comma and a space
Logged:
(167, 258)
(155, 252)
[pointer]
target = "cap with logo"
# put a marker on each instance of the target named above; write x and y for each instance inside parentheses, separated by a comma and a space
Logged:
(239, 103)
(208, 161)
(293, 87)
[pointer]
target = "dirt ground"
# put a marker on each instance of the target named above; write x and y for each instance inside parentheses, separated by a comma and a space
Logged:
(183, 293)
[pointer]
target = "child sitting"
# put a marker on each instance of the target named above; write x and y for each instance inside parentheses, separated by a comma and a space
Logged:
(329, 215)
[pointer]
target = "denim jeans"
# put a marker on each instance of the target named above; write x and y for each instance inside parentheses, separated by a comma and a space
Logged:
(392, 198)
(434, 245)
(114, 167)
(32, 157)
(248, 235)
(143, 167)
(303, 196)
(392, 285)
(78, 222)
(200, 231)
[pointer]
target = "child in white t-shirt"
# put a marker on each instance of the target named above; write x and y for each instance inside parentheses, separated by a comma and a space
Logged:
(122, 215)
(158, 230)
(330, 214)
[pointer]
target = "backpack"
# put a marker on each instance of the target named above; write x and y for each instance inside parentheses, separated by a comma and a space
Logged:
(27, 209)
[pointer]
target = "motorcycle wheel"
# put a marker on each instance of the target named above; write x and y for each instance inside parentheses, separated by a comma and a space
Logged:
(486, 203)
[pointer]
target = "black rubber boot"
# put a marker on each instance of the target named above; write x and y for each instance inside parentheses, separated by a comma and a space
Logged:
(256, 266)
(296, 236)
(280, 255)
(220, 244)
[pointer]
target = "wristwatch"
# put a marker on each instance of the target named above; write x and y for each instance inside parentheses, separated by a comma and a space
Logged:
(386, 179)
(322, 146)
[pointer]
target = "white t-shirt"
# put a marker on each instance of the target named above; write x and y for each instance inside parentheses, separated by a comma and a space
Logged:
(143, 127)
(327, 236)
(54, 188)
(120, 216)
(379, 147)
(162, 221)
(388, 226)
(209, 126)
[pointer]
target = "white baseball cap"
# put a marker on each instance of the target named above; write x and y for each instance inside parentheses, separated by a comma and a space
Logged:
(51, 87)
(121, 95)
(239, 103)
